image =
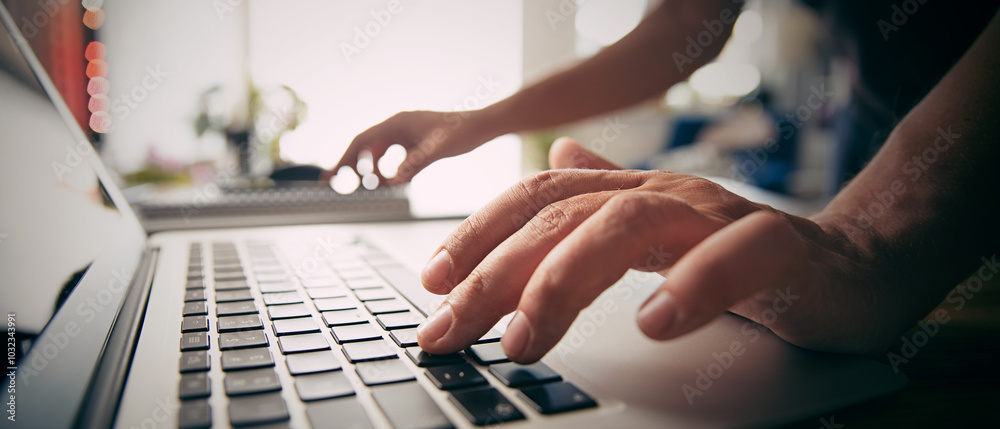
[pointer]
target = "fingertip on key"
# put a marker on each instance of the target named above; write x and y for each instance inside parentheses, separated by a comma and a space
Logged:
(515, 341)
(436, 326)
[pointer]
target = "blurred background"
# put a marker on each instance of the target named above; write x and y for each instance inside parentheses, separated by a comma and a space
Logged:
(183, 91)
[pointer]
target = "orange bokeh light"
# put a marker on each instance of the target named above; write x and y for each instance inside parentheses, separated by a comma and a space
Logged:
(95, 51)
(97, 68)
(93, 19)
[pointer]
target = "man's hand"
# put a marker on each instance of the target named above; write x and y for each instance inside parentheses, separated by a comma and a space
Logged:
(426, 136)
(551, 244)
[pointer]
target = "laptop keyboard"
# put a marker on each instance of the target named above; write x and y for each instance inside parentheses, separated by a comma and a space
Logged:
(271, 311)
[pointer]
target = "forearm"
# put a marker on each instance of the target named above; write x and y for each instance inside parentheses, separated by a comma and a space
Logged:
(927, 207)
(643, 64)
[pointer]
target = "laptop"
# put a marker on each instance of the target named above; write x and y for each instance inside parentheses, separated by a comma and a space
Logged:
(313, 326)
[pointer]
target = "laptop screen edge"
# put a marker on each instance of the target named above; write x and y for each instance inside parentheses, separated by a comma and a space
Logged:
(52, 378)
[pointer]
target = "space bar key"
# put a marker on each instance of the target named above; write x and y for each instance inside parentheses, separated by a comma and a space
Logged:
(408, 406)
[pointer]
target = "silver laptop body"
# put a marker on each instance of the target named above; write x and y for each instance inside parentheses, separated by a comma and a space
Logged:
(302, 326)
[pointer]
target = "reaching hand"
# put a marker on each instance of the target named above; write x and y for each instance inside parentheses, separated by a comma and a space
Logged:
(426, 136)
(552, 243)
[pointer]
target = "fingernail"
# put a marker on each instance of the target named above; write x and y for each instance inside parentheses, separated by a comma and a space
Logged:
(515, 340)
(437, 324)
(437, 269)
(657, 314)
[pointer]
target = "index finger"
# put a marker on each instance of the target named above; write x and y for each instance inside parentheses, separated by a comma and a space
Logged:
(478, 235)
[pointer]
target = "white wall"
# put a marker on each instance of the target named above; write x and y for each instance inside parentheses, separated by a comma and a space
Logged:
(162, 55)
(354, 63)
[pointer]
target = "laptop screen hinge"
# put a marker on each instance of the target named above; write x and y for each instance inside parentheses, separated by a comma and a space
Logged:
(98, 409)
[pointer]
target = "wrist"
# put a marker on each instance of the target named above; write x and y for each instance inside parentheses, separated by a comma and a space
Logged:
(491, 122)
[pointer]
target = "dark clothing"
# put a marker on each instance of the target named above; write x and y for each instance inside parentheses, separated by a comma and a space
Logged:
(899, 51)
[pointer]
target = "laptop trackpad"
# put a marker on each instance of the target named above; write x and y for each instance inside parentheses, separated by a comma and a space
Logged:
(731, 372)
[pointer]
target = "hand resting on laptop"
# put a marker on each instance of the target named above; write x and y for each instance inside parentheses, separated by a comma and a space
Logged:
(918, 219)
(551, 244)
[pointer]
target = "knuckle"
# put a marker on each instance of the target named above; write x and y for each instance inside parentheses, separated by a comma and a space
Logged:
(540, 187)
(633, 210)
(697, 186)
(476, 288)
(553, 217)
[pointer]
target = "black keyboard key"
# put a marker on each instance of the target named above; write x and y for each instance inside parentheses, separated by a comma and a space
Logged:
(491, 336)
(195, 273)
(352, 333)
(326, 385)
(374, 294)
(195, 309)
(194, 341)
(233, 295)
(194, 295)
(287, 311)
(408, 406)
(242, 340)
(251, 381)
(488, 353)
(485, 406)
(424, 359)
(195, 284)
(235, 308)
(387, 371)
(344, 317)
(331, 304)
(387, 306)
(368, 351)
(194, 361)
(276, 287)
(245, 322)
(257, 410)
(195, 414)
(194, 324)
(312, 362)
(347, 412)
(404, 337)
(327, 292)
(195, 385)
(278, 298)
(555, 398)
(299, 325)
(247, 359)
(302, 343)
(516, 375)
(231, 285)
(455, 376)
(407, 319)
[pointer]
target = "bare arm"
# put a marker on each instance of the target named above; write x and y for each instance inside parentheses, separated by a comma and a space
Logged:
(641, 65)
(928, 205)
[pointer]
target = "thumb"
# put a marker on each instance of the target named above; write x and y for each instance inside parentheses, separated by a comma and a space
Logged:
(567, 153)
